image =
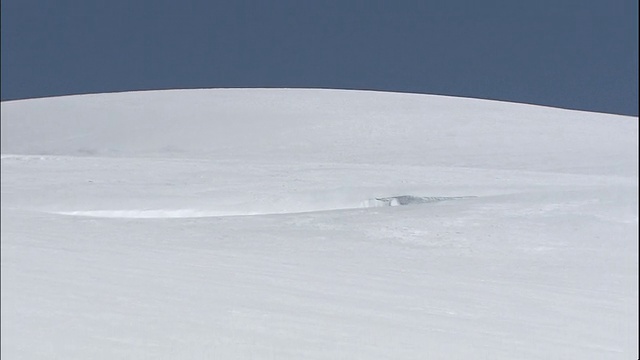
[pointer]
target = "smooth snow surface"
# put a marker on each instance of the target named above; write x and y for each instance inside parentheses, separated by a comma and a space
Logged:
(125, 231)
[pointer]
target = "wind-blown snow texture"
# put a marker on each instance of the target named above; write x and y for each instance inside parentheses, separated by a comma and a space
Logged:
(243, 224)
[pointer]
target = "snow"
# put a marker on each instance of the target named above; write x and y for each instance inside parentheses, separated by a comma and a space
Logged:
(255, 224)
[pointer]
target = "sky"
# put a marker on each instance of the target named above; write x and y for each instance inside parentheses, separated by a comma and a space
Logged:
(564, 53)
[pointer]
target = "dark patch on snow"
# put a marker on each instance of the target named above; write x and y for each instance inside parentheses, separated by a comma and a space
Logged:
(411, 200)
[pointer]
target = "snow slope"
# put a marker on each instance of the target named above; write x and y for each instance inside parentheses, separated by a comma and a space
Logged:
(247, 224)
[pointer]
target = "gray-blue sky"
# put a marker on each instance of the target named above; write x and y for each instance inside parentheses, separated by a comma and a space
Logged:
(566, 53)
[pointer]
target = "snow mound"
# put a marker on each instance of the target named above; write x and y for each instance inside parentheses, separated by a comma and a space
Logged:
(329, 126)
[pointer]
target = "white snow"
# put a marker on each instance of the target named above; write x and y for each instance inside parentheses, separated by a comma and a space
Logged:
(247, 224)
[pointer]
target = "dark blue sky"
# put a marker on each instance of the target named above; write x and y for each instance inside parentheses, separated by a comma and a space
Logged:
(579, 54)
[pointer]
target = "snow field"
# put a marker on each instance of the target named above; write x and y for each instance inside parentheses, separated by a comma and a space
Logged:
(124, 227)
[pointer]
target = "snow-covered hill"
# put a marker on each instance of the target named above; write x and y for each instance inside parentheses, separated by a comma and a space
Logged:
(254, 223)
